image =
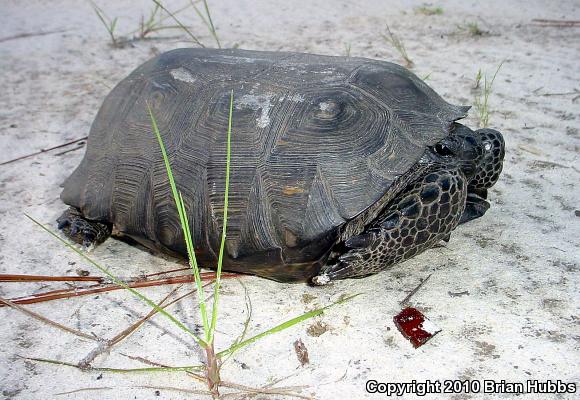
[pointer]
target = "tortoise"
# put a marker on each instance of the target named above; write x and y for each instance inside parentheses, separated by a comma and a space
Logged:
(340, 166)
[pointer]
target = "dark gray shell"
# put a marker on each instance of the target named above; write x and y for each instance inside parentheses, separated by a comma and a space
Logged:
(317, 142)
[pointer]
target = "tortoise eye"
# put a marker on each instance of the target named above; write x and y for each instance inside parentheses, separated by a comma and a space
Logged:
(443, 150)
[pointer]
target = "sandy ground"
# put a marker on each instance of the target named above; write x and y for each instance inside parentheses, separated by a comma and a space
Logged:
(517, 268)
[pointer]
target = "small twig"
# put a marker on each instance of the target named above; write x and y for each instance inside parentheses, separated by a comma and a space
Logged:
(84, 390)
(281, 391)
(93, 289)
(231, 385)
(47, 321)
(406, 299)
(142, 360)
(558, 23)
(128, 331)
(530, 149)
(537, 91)
(137, 324)
(458, 294)
(176, 389)
(187, 368)
(46, 278)
(80, 146)
(132, 328)
(574, 92)
(549, 164)
(168, 272)
(44, 150)
(31, 34)
(282, 379)
(100, 279)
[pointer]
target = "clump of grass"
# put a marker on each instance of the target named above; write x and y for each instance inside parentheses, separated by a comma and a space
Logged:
(155, 22)
(397, 43)
(180, 24)
(481, 102)
(427, 10)
(206, 19)
(472, 29)
(209, 321)
(109, 24)
(151, 24)
(347, 47)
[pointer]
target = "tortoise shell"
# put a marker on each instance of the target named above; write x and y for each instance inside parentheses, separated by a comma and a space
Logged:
(317, 143)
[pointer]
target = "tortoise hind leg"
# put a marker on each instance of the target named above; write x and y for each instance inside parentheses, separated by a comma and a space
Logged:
(80, 230)
(486, 176)
(427, 212)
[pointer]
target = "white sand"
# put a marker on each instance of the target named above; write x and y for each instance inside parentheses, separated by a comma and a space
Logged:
(519, 264)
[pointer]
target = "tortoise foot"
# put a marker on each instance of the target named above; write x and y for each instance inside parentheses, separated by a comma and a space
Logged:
(475, 207)
(80, 230)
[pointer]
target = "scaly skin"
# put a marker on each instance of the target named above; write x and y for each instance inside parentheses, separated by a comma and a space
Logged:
(427, 211)
(80, 230)
(487, 175)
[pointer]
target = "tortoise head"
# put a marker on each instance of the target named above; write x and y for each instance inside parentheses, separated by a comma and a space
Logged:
(463, 147)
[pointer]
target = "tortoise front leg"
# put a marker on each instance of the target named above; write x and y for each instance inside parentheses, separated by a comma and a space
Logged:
(81, 230)
(427, 212)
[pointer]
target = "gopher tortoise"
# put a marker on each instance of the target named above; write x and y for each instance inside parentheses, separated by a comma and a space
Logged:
(340, 167)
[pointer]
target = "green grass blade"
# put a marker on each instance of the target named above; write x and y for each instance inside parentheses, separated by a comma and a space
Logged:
(495, 74)
(199, 14)
(207, 22)
(100, 14)
(110, 26)
(184, 222)
(151, 20)
(212, 27)
(482, 100)
(121, 283)
(283, 326)
(224, 225)
(113, 26)
(160, 20)
(193, 261)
